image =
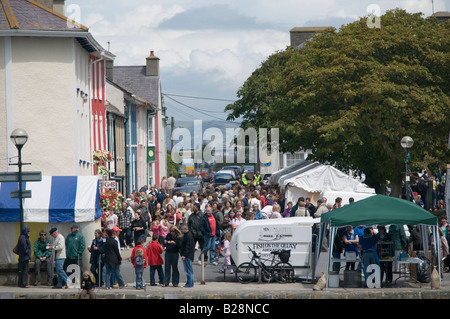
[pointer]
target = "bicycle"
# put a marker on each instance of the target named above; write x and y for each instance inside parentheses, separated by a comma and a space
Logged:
(280, 269)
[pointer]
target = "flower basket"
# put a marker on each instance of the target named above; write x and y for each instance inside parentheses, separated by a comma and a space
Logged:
(102, 156)
(110, 199)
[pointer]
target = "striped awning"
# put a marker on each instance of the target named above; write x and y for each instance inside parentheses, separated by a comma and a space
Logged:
(56, 199)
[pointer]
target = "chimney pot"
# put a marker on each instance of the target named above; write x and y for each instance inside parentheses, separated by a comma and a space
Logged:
(152, 65)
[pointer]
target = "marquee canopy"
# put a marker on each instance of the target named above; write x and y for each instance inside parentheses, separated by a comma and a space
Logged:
(56, 199)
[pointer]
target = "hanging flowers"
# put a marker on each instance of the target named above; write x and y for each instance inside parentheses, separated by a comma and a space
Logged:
(102, 156)
(110, 199)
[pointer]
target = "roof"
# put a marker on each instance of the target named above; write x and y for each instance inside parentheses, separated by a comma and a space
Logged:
(133, 79)
(379, 210)
(30, 15)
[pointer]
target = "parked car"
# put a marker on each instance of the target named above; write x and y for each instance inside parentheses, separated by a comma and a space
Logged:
(236, 169)
(188, 184)
(266, 178)
(223, 176)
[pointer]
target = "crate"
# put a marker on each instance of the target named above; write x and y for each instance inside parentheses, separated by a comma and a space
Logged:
(352, 279)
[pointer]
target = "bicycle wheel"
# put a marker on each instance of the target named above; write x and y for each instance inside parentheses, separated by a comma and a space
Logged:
(284, 272)
(245, 273)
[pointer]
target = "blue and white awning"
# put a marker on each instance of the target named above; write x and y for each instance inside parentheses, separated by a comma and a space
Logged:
(56, 199)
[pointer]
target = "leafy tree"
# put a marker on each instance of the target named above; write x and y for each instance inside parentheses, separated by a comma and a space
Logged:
(351, 95)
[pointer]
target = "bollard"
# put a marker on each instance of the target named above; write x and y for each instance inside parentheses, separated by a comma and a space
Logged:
(202, 282)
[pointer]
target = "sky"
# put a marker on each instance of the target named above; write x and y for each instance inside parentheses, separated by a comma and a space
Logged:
(207, 49)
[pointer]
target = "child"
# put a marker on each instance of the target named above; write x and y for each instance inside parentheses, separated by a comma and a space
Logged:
(87, 285)
(227, 252)
(139, 261)
(154, 251)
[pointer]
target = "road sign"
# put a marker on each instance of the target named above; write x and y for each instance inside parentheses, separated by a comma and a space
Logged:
(26, 177)
(110, 184)
(25, 194)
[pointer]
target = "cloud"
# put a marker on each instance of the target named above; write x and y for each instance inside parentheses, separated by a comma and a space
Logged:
(218, 16)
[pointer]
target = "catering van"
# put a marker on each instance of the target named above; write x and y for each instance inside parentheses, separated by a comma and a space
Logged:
(266, 235)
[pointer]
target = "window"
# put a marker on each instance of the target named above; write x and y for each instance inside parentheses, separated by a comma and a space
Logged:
(294, 158)
(150, 131)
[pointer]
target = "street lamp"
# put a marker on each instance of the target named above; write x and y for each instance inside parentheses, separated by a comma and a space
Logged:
(19, 137)
(407, 142)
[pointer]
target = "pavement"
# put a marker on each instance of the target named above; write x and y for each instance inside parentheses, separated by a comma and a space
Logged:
(231, 289)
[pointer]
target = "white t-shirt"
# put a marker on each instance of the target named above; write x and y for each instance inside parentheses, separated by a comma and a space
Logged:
(111, 221)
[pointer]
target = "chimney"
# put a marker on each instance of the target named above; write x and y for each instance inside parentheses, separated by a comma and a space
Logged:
(110, 70)
(55, 5)
(152, 66)
(300, 35)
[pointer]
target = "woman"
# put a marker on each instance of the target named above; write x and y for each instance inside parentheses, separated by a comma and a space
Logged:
(138, 226)
(287, 211)
(173, 245)
(227, 207)
(237, 220)
(113, 259)
(97, 250)
(112, 220)
(239, 206)
(226, 226)
(351, 241)
(301, 210)
(163, 230)
(159, 213)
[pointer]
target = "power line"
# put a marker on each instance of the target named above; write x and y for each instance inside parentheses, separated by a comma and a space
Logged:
(197, 110)
(198, 97)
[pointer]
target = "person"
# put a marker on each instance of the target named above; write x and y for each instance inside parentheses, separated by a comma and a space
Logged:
(257, 212)
(194, 222)
(227, 226)
(163, 184)
(112, 219)
(138, 226)
(386, 251)
(367, 245)
(209, 229)
(59, 246)
(398, 237)
(125, 217)
(256, 178)
(75, 245)
(276, 209)
(309, 206)
(287, 210)
(155, 261)
(338, 248)
(97, 250)
(163, 230)
(237, 220)
(245, 178)
(337, 203)
(43, 256)
(24, 247)
(113, 259)
(87, 285)
(351, 241)
(322, 207)
(139, 261)
(172, 244)
(187, 251)
(171, 184)
(227, 251)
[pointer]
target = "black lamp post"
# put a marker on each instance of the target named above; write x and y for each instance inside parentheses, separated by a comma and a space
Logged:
(407, 142)
(19, 137)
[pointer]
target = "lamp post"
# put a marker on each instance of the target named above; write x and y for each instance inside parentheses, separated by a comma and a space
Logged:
(407, 142)
(19, 137)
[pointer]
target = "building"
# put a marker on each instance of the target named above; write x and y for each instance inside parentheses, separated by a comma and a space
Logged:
(145, 128)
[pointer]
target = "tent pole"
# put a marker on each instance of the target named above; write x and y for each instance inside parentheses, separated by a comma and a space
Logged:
(330, 251)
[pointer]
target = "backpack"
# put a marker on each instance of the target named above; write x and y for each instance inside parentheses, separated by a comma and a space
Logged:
(139, 261)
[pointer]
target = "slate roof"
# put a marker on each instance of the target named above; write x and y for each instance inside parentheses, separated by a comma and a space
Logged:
(30, 15)
(134, 80)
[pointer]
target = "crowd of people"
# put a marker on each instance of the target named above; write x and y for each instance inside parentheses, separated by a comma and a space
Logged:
(180, 223)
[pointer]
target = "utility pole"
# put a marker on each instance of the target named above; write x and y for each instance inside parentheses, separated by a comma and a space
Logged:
(172, 124)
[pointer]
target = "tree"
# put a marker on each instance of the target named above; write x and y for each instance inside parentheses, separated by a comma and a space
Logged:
(351, 95)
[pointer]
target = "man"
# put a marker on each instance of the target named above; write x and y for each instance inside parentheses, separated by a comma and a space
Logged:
(187, 254)
(125, 215)
(43, 256)
(24, 247)
(194, 222)
(209, 229)
(256, 178)
(322, 207)
(244, 178)
(171, 184)
(309, 206)
(75, 245)
(59, 247)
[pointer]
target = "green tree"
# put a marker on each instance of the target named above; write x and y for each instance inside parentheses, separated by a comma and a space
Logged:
(172, 167)
(351, 95)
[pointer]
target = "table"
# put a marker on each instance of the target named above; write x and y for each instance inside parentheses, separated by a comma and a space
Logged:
(403, 267)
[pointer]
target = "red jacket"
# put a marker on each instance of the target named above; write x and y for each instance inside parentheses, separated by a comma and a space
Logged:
(133, 253)
(154, 251)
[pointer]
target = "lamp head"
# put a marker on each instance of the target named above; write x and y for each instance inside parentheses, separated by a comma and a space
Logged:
(19, 137)
(407, 142)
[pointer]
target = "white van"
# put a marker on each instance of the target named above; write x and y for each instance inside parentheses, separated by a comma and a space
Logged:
(266, 235)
